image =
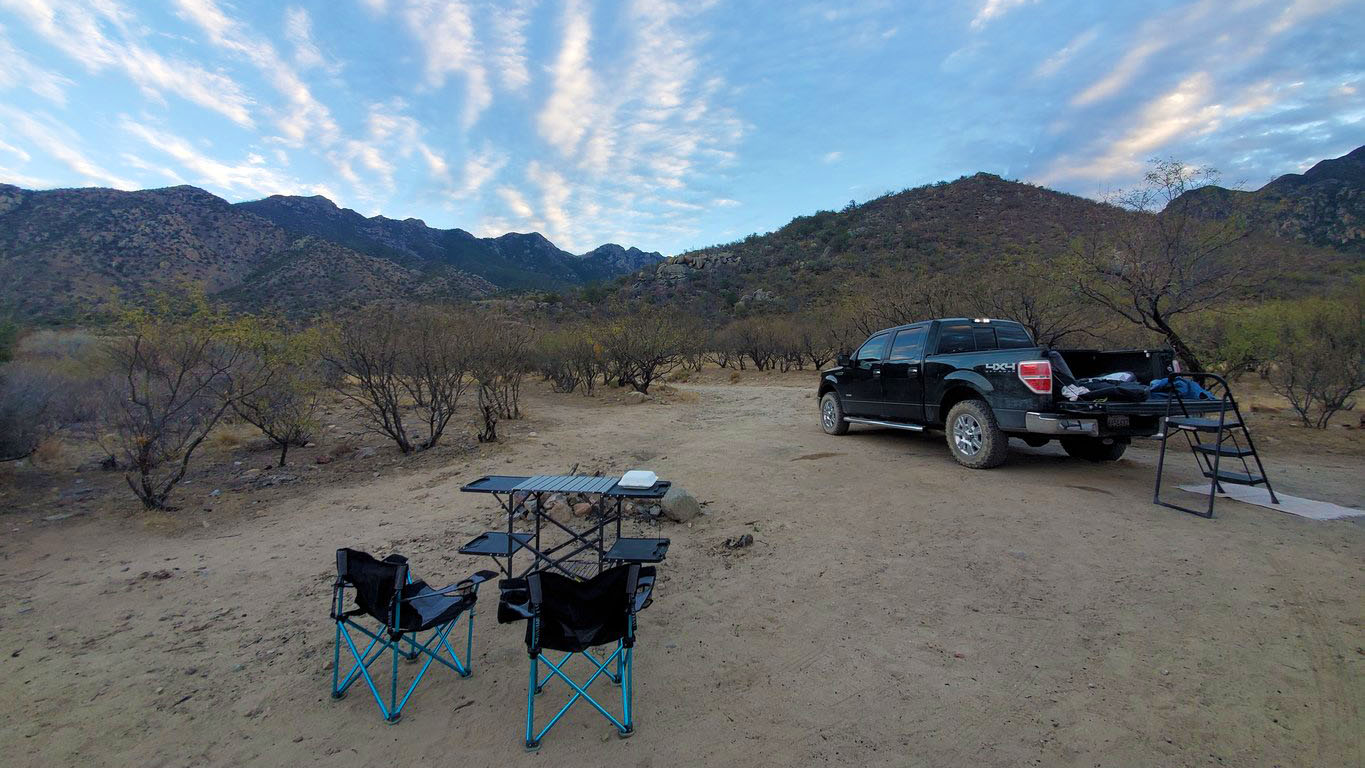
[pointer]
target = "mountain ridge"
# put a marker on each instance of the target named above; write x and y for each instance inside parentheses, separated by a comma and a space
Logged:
(1323, 206)
(513, 260)
(963, 228)
(64, 253)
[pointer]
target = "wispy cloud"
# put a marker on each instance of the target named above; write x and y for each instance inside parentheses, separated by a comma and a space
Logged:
(298, 29)
(78, 30)
(831, 158)
(59, 142)
(248, 178)
(19, 72)
(572, 107)
(508, 52)
(1057, 61)
(303, 116)
(646, 122)
(445, 31)
(390, 134)
(994, 9)
(1193, 108)
(480, 168)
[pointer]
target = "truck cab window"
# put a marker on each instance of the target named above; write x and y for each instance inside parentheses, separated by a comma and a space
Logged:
(872, 351)
(1013, 337)
(956, 337)
(908, 347)
(985, 338)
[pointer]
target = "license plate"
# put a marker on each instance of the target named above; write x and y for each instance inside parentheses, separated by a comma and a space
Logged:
(1118, 421)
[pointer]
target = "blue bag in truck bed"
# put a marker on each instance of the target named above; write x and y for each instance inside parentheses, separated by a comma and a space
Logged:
(1187, 389)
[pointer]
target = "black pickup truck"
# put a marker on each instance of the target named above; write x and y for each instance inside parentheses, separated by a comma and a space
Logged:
(983, 381)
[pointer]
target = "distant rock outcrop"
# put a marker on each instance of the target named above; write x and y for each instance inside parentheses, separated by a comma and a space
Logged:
(1324, 206)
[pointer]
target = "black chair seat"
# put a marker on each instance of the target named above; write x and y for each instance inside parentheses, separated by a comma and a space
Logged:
(424, 607)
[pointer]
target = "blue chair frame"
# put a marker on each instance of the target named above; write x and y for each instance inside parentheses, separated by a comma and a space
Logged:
(390, 634)
(638, 596)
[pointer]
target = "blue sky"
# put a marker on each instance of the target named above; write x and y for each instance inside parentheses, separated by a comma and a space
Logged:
(667, 125)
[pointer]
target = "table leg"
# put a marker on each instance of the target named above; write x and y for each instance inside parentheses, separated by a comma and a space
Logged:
(540, 510)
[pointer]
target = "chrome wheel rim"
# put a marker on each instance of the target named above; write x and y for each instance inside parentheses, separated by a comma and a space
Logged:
(967, 434)
(828, 417)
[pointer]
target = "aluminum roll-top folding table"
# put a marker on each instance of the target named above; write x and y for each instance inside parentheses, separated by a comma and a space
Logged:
(600, 538)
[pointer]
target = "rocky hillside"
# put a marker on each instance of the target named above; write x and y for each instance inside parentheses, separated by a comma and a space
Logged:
(64, 253)
(960, 228)
(1324, 206)
(970, 221)
(513, 261)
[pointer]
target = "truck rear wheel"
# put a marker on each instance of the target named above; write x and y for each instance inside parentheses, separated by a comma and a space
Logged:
(1093, 448)
(974, 436)
(832, 414)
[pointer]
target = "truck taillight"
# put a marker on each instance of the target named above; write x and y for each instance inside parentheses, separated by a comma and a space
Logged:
(1037, 376)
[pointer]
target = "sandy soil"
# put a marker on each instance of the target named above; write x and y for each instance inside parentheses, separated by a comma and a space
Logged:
(896, 609)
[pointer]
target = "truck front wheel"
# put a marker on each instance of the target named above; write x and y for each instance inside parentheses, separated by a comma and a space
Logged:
(832, 414)
(1093, 448)
(974, 436)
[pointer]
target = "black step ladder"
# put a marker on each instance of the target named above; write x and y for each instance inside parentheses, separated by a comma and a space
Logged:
(1214, 430)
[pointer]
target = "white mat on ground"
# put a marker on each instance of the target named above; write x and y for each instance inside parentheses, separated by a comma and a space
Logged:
(1313, 510)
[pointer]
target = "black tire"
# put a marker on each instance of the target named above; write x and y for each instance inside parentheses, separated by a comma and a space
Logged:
(971, 423)
(1094, 449)
(832, 414)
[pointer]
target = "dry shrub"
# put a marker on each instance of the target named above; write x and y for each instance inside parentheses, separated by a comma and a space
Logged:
(49, 452)
(734, 377)
(230, 437)
(346, 447)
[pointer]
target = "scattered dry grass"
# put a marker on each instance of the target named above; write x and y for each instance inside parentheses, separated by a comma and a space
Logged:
(50, 453)
(230, 437)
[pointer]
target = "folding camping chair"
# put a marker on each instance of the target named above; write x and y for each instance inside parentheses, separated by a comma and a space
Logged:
(386, 592)
(572, 616)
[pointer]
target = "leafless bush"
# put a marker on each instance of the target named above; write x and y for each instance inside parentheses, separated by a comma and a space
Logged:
(50, 386)
(723, 349)
(1320, 362)
(499, 361)
(761, 340)
(28, 410)
(501, 356)
(643, 346)
(403, 365)
(570, 358)
(285, 408)
(1164, 263)
(179, 369)
(921, 294)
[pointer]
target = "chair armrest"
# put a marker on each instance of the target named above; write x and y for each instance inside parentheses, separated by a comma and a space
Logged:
(460, 586)
(514, 603)
(644, 590)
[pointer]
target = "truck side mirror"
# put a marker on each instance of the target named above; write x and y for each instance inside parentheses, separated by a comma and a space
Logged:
(843, 360)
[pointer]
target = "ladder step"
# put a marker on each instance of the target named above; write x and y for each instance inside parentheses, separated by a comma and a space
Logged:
(1200, 425)
(1236, 478)
(1224, 450)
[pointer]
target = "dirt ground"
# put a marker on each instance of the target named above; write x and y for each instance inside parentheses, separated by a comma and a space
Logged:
(895, 608)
